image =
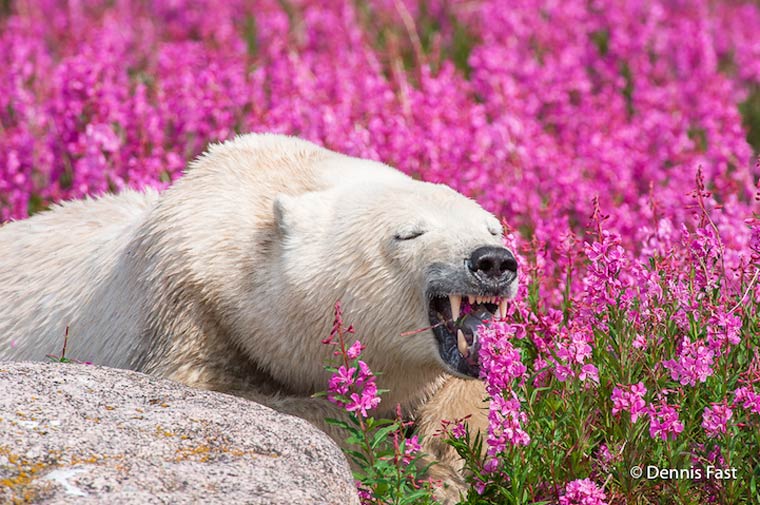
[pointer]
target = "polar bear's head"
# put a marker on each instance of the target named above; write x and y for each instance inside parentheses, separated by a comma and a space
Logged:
(401, 255)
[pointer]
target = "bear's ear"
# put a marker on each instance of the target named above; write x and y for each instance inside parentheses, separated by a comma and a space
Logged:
(294, 213)
(284, 210)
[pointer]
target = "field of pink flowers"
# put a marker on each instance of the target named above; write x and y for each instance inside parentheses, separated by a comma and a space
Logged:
(617, 140)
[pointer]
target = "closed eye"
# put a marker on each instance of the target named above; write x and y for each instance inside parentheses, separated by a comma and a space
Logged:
(408, 235)
(494, 228)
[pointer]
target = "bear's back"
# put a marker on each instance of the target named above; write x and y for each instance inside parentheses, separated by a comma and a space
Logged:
(60, 269)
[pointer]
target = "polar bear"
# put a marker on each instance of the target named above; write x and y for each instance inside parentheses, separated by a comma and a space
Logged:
(227, 280)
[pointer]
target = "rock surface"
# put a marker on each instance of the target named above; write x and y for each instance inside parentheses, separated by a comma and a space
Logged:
(84, 434)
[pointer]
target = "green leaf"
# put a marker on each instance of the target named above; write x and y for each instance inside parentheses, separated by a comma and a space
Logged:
(416, 496)
(337, 422)
(382, 434)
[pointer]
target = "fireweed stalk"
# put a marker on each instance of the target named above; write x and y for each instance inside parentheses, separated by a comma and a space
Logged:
(386, 460)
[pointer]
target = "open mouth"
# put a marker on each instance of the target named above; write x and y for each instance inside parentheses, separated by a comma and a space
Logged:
(455, 319)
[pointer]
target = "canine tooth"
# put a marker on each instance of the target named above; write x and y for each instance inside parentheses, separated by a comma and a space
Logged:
(462, 344)
(456, 303)
(503, 309)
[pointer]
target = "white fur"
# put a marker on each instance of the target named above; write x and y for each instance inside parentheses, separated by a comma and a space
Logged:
(236, 267)
(63, 268)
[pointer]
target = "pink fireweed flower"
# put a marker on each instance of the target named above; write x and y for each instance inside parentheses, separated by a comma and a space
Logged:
(354, 388)
(479, 486)
(570, 350)
(366, 497)
(723, 329)
(607, 256)
(339, 383)
(604, 454)
(748, 399)
(578, 349)
(705, 245)
(583, 492)
(664, 422)
(458, 431)
(366, 399)
(350, 387)
(500, 362)
(754, 240)
(491, 465)
(607, 259)
(542, 372)
(715, 456)
(500, 366)
(693, 363)
(589, 372)
(455, 428)
(505, 421)
(355, 350)
(639, 342)
(562, 372)
(629, 398)
(411, 448)
(715, 418)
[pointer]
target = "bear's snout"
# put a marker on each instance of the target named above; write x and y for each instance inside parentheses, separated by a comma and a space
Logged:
(492, 262)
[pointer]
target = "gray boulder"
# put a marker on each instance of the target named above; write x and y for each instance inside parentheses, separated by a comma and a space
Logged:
(85, 434)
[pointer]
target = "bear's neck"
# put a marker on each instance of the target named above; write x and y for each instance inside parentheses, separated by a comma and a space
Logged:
(408, 389)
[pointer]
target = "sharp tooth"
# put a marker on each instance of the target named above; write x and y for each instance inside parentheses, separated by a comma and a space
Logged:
(503, 309)
(456, 302)
(471, 299)
(479, 299)
(464, 349)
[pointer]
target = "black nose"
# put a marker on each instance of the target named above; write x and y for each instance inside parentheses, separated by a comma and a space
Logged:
(492, 261)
